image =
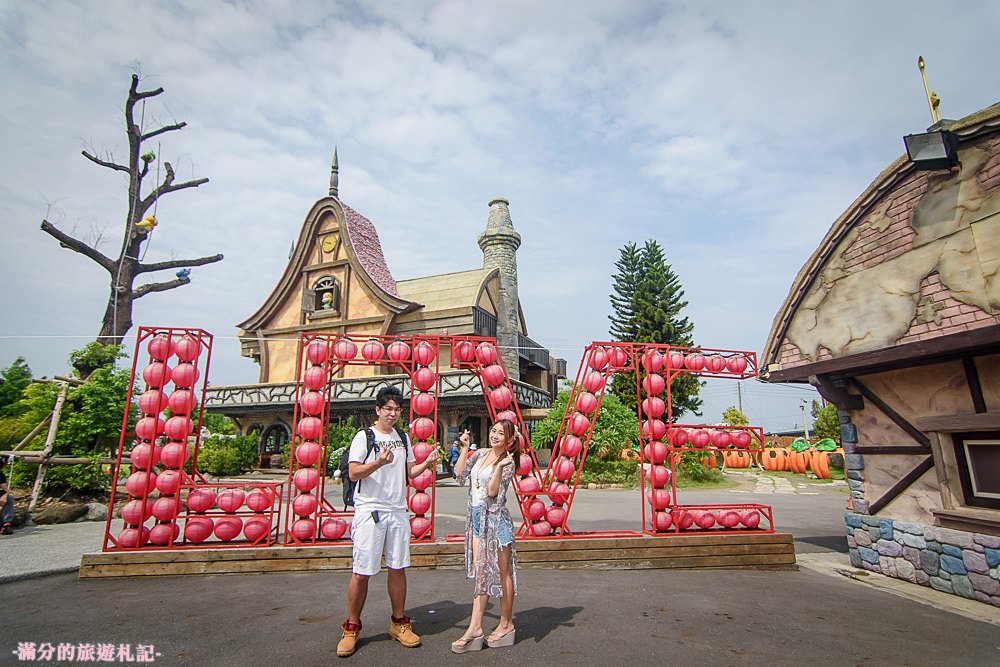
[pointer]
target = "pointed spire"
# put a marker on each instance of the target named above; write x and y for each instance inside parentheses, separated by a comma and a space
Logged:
(334, 175)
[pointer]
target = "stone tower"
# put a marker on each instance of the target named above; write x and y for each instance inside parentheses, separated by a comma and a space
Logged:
(499, 244)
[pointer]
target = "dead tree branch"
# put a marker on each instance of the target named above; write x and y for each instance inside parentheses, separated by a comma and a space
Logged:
(176, 264)
(67, 241)
(143, 290)
(166, 128)
(166, 187)
(104, 163)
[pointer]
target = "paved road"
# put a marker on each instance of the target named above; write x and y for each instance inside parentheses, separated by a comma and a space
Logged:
(563, 616)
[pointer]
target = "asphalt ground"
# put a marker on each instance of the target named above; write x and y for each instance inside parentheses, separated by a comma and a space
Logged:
(722, 617)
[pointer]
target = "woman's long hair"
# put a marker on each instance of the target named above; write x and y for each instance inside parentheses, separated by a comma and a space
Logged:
(511, 442)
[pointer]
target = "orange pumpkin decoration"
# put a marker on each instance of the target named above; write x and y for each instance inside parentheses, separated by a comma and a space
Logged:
(737, 459)
(798, 462)
(775, 459)
(709, 461)
(629, 455)
(820, 464)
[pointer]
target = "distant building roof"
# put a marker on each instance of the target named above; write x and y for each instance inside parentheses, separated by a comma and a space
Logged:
(445, 291)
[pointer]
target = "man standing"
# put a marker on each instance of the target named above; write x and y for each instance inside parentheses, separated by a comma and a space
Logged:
(380, 461)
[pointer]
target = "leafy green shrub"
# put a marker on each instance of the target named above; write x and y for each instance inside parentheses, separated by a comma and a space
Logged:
(12, 431)
(596, 471)
(219, 424)
(691, 468)
(89, 426)
(826, 423)
(84, 478)
(616, 427)
(219, 461)
(338, 440)
(22, 475)
(227, 454)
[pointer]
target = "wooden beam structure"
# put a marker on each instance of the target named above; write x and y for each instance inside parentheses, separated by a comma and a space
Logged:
(896, 418)
(901, 485)
(770, 551)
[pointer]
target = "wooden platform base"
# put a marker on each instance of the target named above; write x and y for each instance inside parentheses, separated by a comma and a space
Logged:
(745, 551)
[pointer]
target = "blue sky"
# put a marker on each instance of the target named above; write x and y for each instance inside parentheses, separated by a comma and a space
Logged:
(733, 133)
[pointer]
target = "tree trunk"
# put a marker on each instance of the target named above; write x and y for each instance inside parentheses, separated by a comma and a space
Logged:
(117, 317)
(118, 313)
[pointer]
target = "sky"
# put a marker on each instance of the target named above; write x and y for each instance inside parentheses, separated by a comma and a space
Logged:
(733, 133)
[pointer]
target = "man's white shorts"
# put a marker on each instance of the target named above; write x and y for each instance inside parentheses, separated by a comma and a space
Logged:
(390, 537)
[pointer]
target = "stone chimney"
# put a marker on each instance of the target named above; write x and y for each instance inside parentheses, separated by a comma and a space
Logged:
(499, 244)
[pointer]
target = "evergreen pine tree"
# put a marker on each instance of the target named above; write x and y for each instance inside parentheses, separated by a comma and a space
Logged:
(623, 324)
(647, 303)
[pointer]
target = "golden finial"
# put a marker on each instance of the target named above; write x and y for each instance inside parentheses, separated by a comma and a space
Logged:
(933, 101)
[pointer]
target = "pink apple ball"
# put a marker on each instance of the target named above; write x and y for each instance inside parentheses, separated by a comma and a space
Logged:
(333, 529)
(200, 500)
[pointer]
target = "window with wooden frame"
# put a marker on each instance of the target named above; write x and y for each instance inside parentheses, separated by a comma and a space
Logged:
(978, 457)
(324, 297)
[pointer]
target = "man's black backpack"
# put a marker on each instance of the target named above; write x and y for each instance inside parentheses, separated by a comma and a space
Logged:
(345, 464)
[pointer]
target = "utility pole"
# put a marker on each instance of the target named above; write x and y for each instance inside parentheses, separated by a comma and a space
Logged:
(805, 419)
(739, 394)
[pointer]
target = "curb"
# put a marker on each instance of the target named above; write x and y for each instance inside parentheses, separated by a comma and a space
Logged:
(34, 574)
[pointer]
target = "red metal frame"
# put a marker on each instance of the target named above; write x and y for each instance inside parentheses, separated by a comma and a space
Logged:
(601, 358)
(607, 358)
(201, 362)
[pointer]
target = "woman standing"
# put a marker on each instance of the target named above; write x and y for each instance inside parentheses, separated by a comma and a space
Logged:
(490, 554)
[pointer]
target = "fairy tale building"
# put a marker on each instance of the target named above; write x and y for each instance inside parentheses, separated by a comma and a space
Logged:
(896, 319)
(337, 281)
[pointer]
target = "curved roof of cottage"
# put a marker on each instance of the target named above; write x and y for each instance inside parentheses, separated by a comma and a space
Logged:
(366, 244)
(363, 248)
(973, 126)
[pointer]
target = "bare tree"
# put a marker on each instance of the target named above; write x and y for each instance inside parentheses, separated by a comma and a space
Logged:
(127, 267)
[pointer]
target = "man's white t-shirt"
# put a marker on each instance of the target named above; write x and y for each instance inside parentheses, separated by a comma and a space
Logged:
(385, 489)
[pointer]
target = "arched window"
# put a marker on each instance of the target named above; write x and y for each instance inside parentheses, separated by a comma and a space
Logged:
(327, 291)
(274, 437)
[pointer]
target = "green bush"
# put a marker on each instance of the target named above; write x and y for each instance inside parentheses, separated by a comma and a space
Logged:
(596, 471)
(219, 424)
(12, 431)
(616, 427)
(219, 461)
(338, 440)
(16, 378)
(83, 478)
(691, 468)
(227, 455)
(22, 475)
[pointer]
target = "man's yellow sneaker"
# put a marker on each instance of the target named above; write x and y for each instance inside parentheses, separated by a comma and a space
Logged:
(349, 641)
(401, 630)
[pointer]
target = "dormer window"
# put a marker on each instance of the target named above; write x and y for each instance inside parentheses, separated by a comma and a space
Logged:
(327, 296)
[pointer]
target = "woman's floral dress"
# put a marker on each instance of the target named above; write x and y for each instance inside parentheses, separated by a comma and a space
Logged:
(484, 567)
